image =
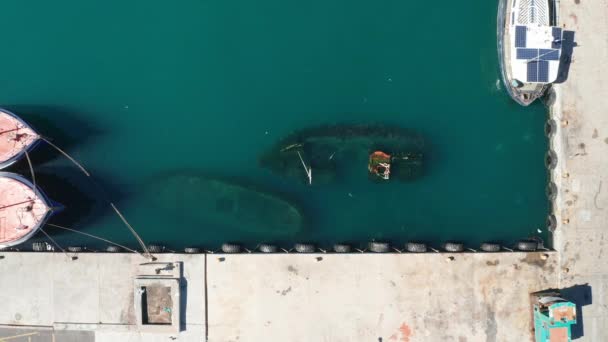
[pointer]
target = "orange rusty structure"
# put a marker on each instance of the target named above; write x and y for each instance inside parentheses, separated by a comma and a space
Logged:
(380, 164)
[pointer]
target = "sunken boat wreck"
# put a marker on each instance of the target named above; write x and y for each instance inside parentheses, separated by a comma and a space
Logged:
(319, 155)
(217, 202)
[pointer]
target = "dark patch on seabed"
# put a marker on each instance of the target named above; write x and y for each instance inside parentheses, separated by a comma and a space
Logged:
(218, 83)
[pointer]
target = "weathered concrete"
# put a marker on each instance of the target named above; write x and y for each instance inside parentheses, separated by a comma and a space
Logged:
(95, 292)
(295, 297)
(581, 145)
(374, 297)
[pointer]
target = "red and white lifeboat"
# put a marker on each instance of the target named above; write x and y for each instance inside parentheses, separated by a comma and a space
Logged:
(16, 138)
(23, 209)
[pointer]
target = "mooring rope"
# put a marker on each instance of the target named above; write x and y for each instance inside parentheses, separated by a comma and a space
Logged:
(141, 242)
(122, 218)
(54, 242)
(94, 237)
(29, 163)
(66, 155)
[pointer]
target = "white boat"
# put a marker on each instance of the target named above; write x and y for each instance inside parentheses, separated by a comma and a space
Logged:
(16, 138)
(24, 208)
(529, 47)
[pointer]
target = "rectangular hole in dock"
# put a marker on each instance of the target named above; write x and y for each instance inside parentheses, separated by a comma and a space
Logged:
(156, 305)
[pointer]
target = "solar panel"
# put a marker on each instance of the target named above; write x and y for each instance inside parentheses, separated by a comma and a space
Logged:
(532, 71)
(526, 53)
(520, 36)
(548, 55)
(556, 32)
(543, 71)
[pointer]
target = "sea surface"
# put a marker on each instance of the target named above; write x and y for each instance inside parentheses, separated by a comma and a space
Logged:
(142, 92)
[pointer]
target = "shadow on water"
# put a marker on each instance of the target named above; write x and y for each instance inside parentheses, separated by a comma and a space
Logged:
(568, 45)
(580, 295)
(61, 125)
(83, 201)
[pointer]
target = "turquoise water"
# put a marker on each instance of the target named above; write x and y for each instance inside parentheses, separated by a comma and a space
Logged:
(140, 90)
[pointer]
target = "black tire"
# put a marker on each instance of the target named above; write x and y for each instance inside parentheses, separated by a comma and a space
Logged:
(342, 248)
(551, 223)
(490, 247)
(75, 249)
(415, 247)
(454, 247)
(551, 160)
(266, 248)
(379, 247)
(192, 250)
(113, 249)
(230, 248)
(39, 246)
(551, 191)
(304, 247)
(156, 249)
(550, 127)
(527, 246)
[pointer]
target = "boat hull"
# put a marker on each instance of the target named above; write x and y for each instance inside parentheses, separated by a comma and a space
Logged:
(8, 162)
(531, 92)
(41, 221)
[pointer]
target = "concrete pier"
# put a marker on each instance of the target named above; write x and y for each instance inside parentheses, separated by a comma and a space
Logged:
(372, 297)
(581, 174)
(280, 297)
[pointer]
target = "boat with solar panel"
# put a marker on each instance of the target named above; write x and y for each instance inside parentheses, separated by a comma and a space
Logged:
(16, 138)
(529, 47)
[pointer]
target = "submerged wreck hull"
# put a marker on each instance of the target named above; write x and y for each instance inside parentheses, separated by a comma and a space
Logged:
(332, 151)
(208, 201)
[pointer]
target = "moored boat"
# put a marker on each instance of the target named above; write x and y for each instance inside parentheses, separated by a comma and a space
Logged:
(16, 138)
(24, 209)
(529, 47)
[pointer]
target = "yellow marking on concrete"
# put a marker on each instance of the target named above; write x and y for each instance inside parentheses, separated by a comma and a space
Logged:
(2, 339)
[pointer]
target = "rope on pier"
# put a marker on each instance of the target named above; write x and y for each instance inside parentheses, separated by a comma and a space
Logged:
(122, 218)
